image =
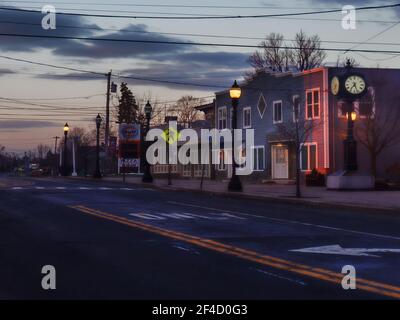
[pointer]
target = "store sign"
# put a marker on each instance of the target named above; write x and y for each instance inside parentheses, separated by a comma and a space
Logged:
(129, 132)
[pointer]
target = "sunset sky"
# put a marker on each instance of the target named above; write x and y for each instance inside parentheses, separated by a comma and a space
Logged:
(29, 116)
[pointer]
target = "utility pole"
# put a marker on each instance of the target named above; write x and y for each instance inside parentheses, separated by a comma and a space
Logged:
(55, 153)
(107, 131)
(55, 145)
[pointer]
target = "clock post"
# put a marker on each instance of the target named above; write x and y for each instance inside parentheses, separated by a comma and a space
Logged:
(349, 87)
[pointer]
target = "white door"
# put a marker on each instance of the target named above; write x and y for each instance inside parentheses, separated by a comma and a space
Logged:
(280, 162)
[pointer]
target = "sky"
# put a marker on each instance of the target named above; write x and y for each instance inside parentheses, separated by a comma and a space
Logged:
(29, 116)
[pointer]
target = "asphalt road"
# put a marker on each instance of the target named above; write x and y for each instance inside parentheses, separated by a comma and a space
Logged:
(114, 241)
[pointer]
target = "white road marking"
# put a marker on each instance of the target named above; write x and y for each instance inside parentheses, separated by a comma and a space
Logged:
(104, 188)
(17, 188)
(61, 188)
(214, 209)
(126, 189)
(338, 250)
(84, 188)
(39, 188)
(147, 216)
(280, 277)
(293, 222)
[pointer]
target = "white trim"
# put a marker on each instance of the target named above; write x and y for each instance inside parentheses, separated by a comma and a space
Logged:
(265, 102)
(263, 153)
(293, 97)
(312, 90)
(273, 111)
(308, 144)
(273, 158)
(326, 118)
(218, 117)
(222, 166)
(244, 118)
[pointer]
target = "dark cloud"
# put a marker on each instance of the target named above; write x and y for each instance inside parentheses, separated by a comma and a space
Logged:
(14, 22)
(4, 72)
(24, 124)
(110, 49)
(206, 68)
(184, 63)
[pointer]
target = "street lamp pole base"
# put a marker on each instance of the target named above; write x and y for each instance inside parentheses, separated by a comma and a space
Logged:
(147, 177)
(97, 175)
(235, 185)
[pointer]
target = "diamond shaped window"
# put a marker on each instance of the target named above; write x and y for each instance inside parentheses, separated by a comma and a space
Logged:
(262, 106)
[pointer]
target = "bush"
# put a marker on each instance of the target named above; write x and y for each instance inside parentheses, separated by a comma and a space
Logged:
(315, 179)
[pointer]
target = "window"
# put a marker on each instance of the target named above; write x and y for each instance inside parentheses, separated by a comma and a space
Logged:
(222, 121)
(247, 118)
(258, 159)
(262, 106)
(296, 108)
(222, 165)
(308, 157)
(187, 170)
(277, 112)
(313, 104)
(201, 170)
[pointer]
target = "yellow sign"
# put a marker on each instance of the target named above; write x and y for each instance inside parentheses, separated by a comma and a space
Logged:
(170, 135)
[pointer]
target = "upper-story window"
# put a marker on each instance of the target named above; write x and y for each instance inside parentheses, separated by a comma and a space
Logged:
(277, 112)
(313, 104)
(222, 118)
(296, 108)
(247, 118)
(261, 106)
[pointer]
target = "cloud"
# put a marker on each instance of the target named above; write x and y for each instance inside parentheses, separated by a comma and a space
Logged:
(24, 124)
(5, 71)
(184, 63)
(203, 68)
(14, 22)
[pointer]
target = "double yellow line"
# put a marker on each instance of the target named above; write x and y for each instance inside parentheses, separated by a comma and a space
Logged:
(277, 263)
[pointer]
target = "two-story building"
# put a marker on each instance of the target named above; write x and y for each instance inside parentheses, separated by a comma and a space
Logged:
(271, 101)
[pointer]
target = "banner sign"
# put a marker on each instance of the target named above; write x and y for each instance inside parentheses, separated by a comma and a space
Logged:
(129, 132)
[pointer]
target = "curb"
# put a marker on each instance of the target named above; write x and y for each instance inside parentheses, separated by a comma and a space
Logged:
(275, 199)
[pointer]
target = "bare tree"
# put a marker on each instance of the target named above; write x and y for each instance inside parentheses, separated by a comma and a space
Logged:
(186, 111)
(297, 131)
(379, 129)
(279, 56)
(42, 150)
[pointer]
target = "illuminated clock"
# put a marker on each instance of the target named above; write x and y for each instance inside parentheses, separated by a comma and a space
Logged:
(355, 85)
(335, 86)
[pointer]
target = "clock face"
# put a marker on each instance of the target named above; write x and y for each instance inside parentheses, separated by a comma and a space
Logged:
(335, 85)
(355, 85)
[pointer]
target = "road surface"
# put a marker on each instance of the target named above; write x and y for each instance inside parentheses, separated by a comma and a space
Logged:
(115, 241)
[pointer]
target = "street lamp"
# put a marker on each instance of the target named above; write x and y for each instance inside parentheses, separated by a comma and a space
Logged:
(65, 170)
(97, 173)
(235, 92)
(147, 177)
(350, 144)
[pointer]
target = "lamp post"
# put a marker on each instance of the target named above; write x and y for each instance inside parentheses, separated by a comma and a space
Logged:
(97, 173)
(65, 170)
(350, 144)
(147, 177)
(235, 92)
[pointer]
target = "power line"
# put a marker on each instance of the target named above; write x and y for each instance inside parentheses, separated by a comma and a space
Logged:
(202, 35)
(185, 43)
(167, 5)
(208, 17)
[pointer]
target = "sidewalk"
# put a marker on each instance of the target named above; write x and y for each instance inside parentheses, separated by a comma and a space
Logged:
(386, 200)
